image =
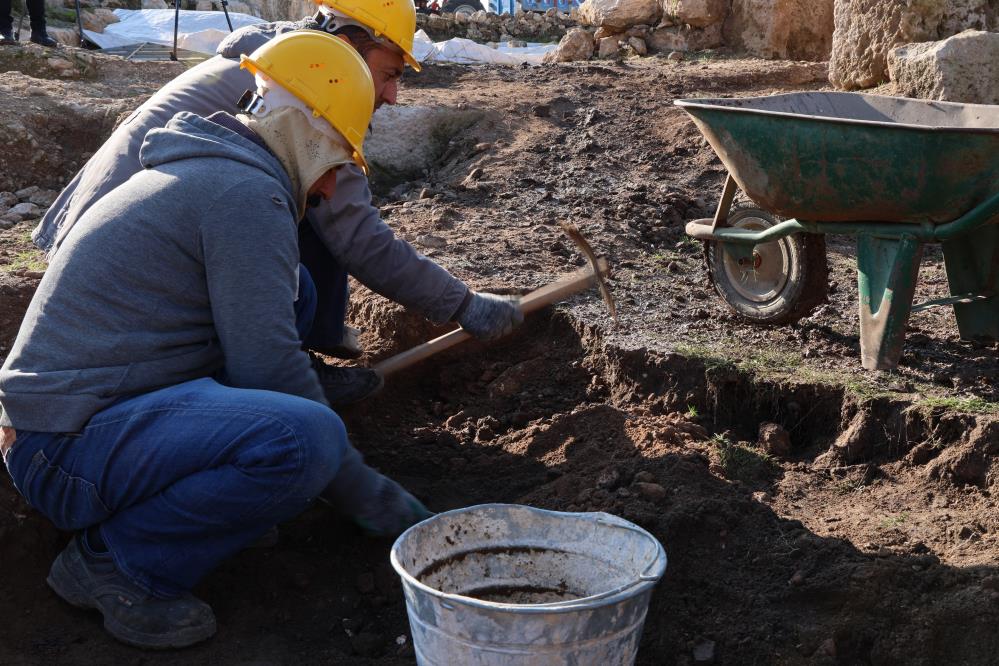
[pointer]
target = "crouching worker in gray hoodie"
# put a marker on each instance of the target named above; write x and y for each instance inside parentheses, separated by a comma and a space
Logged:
(157, 400)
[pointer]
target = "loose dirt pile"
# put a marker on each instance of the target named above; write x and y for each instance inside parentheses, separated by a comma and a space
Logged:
(857, 528)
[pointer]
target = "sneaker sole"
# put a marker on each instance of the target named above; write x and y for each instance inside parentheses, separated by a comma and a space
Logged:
(64, 584)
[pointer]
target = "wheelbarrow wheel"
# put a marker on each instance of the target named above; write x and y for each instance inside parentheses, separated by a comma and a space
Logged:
(783, 281)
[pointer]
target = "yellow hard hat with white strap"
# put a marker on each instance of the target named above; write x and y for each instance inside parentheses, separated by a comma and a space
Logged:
(327, 75)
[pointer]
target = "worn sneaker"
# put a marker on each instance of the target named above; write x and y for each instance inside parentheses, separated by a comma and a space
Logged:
(345, 386)
(43, 39)
(131, 615)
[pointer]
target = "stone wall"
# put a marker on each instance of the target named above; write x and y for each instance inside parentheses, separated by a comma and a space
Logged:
(486, 27)
(867, 30)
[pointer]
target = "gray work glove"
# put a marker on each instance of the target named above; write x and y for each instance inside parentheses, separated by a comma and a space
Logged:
(379, 505)
(488, 316)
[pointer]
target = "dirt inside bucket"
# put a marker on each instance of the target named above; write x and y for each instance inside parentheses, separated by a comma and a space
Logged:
(445, 575)
(524, 594)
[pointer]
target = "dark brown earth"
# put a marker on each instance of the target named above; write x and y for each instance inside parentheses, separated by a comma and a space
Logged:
(860, 529)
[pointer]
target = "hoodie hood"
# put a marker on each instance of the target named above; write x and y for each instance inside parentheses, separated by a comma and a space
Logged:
(189, 136)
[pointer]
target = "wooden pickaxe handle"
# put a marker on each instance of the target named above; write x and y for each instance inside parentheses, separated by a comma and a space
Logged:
(572, 284)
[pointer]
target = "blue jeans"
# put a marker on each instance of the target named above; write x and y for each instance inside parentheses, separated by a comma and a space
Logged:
(331, 288)
(181, 478)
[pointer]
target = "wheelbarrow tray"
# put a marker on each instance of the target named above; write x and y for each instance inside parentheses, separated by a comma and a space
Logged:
(850, 157)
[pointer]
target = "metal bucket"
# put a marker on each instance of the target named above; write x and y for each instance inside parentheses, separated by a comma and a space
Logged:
(505, 585)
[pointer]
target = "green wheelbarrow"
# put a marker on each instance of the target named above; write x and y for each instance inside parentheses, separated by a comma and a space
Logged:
(896, 173)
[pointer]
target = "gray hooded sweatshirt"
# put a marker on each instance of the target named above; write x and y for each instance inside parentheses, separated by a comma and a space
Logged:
(349, 226)
(188, 267)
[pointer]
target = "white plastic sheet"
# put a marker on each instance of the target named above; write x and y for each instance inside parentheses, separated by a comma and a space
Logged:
(465, 51)
(198, 31)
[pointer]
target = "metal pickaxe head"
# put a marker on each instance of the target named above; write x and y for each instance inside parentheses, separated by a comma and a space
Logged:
(576, 235)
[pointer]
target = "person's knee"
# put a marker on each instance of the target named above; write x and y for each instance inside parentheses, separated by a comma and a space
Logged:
(322, 439)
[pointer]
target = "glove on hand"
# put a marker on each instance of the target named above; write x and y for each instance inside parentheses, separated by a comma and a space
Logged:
(393, 511)
(488, 316)
(377, 503)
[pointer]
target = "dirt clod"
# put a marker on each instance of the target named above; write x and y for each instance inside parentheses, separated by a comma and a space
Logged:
(652, 492)
(774, 439)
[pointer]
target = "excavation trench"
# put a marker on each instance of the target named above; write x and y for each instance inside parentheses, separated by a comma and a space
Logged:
(554, 417)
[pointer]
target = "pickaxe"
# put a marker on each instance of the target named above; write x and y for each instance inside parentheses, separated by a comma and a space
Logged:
(572, 284)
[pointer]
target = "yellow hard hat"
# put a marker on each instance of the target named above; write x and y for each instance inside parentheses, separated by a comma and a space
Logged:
(327, 75)
(394, 20)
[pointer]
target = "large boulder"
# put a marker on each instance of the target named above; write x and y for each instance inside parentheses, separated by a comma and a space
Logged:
(576, 45)
(97, 19)
(786, 29)
(696, 13)
(867, 30)
(962, 68)
(684, 38)
(619, 13)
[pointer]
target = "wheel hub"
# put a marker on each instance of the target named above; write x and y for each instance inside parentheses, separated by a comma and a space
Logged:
(761, 277)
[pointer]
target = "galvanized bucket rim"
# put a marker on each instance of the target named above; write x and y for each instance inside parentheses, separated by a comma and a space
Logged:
(706, 103)
(644, 581)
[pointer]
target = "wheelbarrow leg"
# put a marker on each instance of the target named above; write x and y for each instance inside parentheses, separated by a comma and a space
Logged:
(886, 277)
(972, 263)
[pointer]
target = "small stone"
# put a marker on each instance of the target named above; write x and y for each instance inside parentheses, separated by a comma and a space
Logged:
(797, 579)
(8, 199)
(653, 492)
(27, 211)
(8, 220)
(645, 477)
(704, 653)
(828, 647)
(426, 193)
(675, 56)
(455, 420)
(607, 47)
(482, 147)
(25, 194)
(542, 110)
(638, 44)
(485, 434)
(609, 478)
(433, 242)
(774, 439)
(43, 198)
(476, 174)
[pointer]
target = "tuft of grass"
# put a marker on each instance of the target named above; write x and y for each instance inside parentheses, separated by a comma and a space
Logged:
(691, 412)
(847, 486)
(971, 405)
(31, 260)
(744, 463)
(899, 519)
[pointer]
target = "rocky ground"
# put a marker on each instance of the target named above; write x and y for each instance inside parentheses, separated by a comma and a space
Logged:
(813, 513)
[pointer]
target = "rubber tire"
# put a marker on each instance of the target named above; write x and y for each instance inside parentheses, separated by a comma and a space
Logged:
(452, 7)
(806, 288)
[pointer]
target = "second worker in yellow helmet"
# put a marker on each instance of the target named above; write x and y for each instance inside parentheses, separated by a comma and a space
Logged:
(342, 236)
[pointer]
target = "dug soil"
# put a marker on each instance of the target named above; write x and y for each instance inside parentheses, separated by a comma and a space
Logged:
(857, 526)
